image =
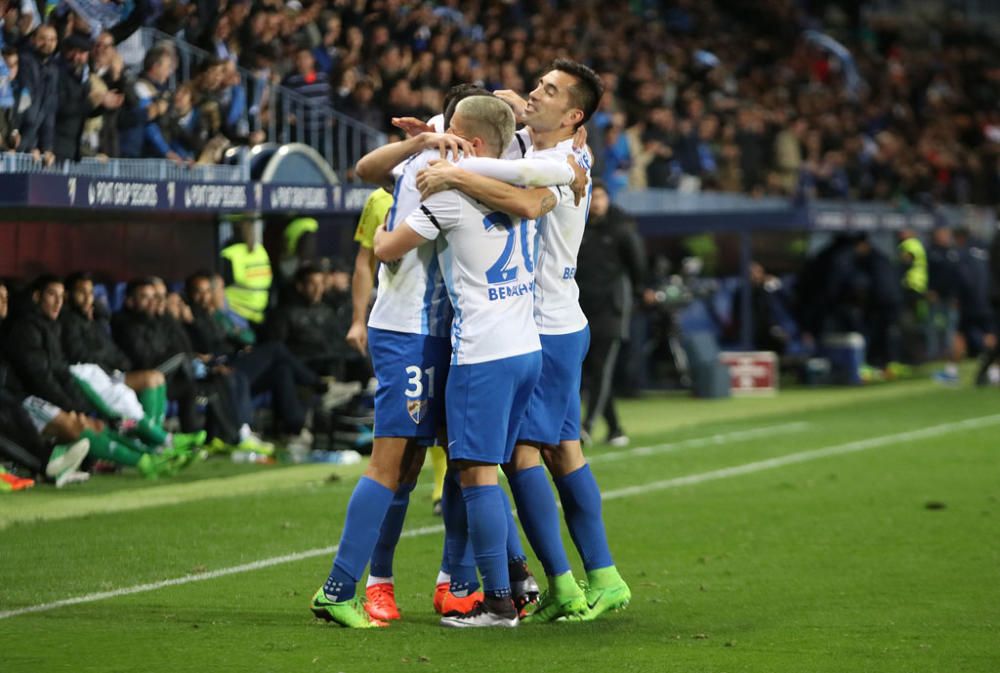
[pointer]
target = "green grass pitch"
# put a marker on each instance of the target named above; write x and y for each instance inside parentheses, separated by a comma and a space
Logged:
(837, 530)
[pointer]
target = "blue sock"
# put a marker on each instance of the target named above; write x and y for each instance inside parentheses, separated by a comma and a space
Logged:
(461, 563)
(488, 532)
(365, 512)
(388, 536)
(515, 550)
(581, 501)
(536, 507)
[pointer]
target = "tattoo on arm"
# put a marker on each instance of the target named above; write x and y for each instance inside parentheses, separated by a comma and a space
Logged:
(548, 203)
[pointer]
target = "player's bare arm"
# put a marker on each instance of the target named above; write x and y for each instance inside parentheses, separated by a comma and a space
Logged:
(362, 282)
(530, 203)
(391, 245)
(376, 166)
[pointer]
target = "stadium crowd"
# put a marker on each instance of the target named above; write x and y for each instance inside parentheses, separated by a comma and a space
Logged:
(763, 98)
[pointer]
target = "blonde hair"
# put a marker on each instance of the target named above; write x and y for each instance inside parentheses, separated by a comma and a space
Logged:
(489, 118)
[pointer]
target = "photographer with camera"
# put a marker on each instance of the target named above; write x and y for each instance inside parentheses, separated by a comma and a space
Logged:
(612, 262)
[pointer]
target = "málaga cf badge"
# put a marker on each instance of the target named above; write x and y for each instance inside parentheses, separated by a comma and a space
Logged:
(417, 410)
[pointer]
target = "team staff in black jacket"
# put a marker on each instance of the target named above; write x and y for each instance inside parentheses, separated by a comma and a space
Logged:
(150, 341)
(611, 262)
(86, 336)
(312, 329)
(34, 349)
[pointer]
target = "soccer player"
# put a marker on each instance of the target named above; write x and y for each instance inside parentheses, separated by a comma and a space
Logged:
(565, 98)
(411, 323)
(488, 268)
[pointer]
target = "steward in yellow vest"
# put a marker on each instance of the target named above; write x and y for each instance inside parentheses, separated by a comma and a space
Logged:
(246, 268)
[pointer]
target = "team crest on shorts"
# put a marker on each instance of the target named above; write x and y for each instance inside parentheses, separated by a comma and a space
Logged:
(417, 410)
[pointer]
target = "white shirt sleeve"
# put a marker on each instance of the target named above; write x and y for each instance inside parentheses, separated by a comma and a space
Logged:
(528, 172)
(437, 213)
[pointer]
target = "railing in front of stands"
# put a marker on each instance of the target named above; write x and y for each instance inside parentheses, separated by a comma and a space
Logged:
(127, 169)
(278, 112)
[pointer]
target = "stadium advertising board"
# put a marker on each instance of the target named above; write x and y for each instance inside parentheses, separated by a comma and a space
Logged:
(61, 191)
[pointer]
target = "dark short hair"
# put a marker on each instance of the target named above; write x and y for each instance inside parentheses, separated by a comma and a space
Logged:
(44, 280)
(209, 63)
(194, 278)
(78, 277)
(598, 183)
(304, 271)
(586, 93)
(455, 95)
(157, 54)
(136, 284)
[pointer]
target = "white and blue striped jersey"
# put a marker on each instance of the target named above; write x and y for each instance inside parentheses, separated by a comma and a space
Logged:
(411, 295)
(487, 260)
(557, 297)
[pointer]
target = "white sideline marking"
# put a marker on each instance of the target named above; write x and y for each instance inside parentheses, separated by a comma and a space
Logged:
(805, 456)
(699, 442)
(748, 468)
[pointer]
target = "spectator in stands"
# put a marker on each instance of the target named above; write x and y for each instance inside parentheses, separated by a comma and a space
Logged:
(76, 104)
(308, 120)
(328, 53)
(147, 100)
(10, 99)
(107, 65)
(261, 64)
(312, 329)
(658, 140)
(39, 72)
(360, 103)
(246, 269)
(182, 133)
(788, 154)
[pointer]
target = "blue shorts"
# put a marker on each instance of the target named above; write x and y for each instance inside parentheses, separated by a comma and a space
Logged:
(553, 413)
(485, 404)
(412, 371)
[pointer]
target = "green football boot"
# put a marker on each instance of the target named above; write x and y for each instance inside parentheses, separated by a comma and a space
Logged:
(188, 441)
(153, 466)
(350, 614)
(605, 590)
(563, 600)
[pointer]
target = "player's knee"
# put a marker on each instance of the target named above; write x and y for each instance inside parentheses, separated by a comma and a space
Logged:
(156, 378)
(475, 474)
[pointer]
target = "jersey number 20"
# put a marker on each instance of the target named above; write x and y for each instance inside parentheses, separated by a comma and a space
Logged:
(501, 271)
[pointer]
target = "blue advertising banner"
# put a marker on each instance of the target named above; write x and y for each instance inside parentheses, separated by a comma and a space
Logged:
(61, 191)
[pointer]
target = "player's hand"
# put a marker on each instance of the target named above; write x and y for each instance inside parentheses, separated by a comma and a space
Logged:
(514, 100)
(580, 138)
(579, 184)
(446, 143)
(437, 177)
(357, 337)
(412, 126)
